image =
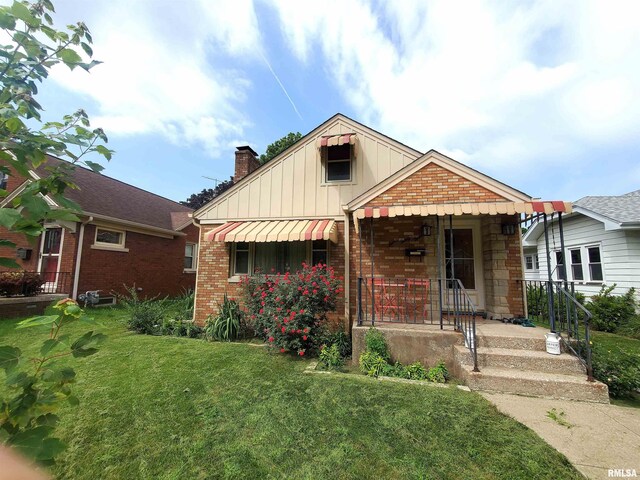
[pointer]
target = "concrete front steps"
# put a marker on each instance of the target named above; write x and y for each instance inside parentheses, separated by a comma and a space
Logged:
(520, 365)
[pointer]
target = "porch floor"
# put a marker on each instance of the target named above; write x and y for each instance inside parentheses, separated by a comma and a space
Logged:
(491, 328)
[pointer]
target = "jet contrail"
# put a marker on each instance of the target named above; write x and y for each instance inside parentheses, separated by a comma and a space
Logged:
(281, 85)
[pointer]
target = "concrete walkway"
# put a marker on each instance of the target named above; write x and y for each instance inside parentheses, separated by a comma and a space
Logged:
(602, 437)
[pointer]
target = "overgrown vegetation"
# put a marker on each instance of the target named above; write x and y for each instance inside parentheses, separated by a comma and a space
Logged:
(615, 313)
(290, 311)
(375, 362)
(37, 385)
(617, 363)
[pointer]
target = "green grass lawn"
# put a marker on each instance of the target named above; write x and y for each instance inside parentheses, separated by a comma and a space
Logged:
(164, 407)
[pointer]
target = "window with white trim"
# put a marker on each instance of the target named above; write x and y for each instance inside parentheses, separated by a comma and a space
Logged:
(240, 258)
(109, 238)
(595, 264)
(575, 255)
(560, 270)
(339, 163)
(190, 256)
(531, 262)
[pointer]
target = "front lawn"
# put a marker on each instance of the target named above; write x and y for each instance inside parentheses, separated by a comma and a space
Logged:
(166, 407)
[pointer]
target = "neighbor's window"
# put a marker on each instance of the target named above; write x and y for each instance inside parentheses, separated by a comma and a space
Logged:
(241, 258)
(319, 253)
(595, 264)
(531, 262)
(111, 238)
(190, 256)
(576, 264)
(339, 163)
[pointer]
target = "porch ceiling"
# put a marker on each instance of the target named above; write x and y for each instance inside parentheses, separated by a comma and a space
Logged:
(445, 209)
(275, 231)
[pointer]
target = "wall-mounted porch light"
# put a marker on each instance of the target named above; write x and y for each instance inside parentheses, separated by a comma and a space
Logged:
(426, 230)
(508, 228)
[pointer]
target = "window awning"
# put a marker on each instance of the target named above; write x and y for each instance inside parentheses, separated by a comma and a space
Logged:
(444, 209)
(275, 231)
(333, 140)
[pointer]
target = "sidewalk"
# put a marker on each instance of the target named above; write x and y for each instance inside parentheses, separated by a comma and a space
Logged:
(602, 437)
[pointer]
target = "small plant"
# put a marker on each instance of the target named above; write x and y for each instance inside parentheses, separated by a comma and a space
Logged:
(375, 342)
(416, 371)
(227, 325)
(559, 418)
(330, 358)
(372, 364)
(39, 386)
(439, 373)
(342, 341)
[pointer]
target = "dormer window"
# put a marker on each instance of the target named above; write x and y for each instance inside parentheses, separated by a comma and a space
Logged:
(339, 163)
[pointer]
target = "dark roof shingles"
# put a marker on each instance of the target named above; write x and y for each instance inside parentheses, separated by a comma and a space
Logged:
(621, 209)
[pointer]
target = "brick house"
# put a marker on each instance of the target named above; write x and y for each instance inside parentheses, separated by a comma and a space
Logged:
(367, 204)
(430, 250)
(126, 236)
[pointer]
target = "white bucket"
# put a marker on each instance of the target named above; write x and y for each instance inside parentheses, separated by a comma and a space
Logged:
(553, 343)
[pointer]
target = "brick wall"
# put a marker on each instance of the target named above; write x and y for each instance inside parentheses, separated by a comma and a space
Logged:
(213, 274)
(434, 184)
(502, 268)
(153, 264)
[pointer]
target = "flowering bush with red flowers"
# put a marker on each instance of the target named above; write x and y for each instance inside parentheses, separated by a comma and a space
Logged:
(289, 311)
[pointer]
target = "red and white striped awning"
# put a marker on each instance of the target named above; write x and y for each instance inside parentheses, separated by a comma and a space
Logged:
(444, 209)
(275, 231)
(333, 140)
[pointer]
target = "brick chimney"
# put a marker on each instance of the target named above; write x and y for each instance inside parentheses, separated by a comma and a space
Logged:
(246, 162)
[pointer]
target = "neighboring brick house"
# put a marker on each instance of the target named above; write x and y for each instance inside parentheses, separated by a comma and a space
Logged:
(126, 236)
(382, 214)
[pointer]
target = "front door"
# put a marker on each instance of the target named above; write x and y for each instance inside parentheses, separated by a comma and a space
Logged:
(464, 262)
(50, 256)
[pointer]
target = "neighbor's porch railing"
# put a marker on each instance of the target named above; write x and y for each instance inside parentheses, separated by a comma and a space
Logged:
(556, 304)
(418, 301)
(16, 283)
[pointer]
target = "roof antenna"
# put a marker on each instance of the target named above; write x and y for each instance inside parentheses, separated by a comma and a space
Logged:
(214, 179)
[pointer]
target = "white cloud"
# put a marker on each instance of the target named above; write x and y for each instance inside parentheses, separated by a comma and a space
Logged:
(498, 84)
(160, 74)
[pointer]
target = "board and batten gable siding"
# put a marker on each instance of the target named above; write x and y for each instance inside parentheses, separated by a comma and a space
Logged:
(292, 186)
(619, 252)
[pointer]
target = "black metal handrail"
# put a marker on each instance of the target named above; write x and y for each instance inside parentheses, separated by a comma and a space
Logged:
(555, 304)
(464, 314)
(23, 283)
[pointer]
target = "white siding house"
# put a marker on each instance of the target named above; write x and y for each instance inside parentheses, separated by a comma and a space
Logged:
(602, 245)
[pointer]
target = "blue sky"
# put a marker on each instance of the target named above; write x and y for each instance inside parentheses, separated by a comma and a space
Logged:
(541, 95)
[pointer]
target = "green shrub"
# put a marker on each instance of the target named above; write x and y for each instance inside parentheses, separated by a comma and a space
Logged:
(20, 283)
(183, 304)
(612, 312)
(227, 325)
(375, 342)
(330, 358)
(181, 327)
(290, 311)
(439, 373)
(416, 371)
(372, 364)
(342, 341)
(618, 368)
(146, 315)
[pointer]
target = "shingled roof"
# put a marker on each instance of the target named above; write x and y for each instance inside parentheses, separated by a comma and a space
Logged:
(622, 209)
(102, 195)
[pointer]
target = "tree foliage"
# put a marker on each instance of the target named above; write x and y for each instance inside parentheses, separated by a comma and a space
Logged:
(197, 200)
(279, 146)
(39, 386)
(25, 139)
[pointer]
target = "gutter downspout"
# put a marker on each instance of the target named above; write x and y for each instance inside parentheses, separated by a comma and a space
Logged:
(195, 222)
(76, 273)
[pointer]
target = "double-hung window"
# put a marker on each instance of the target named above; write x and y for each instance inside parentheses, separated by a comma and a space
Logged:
(531, 262)
(339, 164)
(190, 256)
(576, 264)
(584, 262)
(595, 264)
